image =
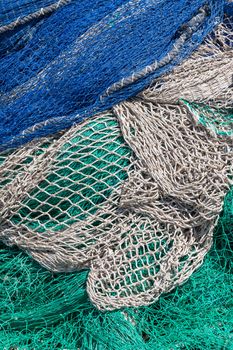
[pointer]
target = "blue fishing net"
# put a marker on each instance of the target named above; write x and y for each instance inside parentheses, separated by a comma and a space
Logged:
(85, 57)
(14, 11)
(11, 10)
(229, 8)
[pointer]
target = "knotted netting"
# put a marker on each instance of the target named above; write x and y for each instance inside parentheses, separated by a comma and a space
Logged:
(121, 209)
(98, 55)
(133, 194)
(40, 309)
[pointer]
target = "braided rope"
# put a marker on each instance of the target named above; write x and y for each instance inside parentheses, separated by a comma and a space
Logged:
(40, 13)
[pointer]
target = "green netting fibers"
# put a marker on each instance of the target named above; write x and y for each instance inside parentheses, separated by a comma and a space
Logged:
(83, 167)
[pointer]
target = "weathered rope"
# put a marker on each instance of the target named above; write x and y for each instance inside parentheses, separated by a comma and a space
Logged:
(190, 28)
(44, 11)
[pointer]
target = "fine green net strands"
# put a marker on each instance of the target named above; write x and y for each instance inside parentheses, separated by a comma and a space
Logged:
(92, 158)
(87, 164)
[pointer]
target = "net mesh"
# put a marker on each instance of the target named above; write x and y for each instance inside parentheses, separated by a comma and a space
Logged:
(84, 58)
(19, 12)
(63, 201)
(134, 194)
(218, 121)
(40, 309)
(61, 192)
(171, 203)
(206, 76)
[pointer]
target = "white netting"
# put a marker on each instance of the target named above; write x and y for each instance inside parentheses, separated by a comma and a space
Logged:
(171, 203)
(139, 239)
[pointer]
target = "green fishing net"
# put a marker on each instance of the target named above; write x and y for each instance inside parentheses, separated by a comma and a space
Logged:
(41, 310)
(72, 175)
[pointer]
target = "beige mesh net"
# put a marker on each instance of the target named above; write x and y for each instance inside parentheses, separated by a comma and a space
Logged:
(56, 193)
(170, 205)
(207, 76)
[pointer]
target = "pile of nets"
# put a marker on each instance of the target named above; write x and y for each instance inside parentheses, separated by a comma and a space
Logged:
(123, 208)
(63, 202)
(42, 310)
(133, 194)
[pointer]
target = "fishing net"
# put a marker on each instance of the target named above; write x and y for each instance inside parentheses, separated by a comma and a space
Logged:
(40, 309)
(127, 204)
(17, 13)
(63, 201)
(205, 77)
(61, 66)
(133, 194)
(62, 192)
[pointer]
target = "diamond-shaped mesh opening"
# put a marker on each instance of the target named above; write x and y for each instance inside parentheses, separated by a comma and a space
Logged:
(88, 163)
(81, 169)
(149, 258)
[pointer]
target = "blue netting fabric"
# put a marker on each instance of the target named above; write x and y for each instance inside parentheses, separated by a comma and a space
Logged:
(14, 10)
(10, 10)
(229, 7)
(79, 60)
